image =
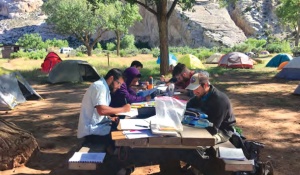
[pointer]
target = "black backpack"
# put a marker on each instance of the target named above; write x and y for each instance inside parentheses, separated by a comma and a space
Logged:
(251, 151)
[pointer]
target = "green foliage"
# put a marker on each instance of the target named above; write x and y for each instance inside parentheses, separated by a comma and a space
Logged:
(155, 52)
(56, 43)
(31, 41)
(296, 49)
(39, 54)
(111, 46)
(204, 53)
(288, 13)
(255, 43)
(80, 54)
(241, 48)
(278, 47)
(79, 18)
(19, 54)
(98, 46)
(127, 42)
(145, 51)
(128, 52)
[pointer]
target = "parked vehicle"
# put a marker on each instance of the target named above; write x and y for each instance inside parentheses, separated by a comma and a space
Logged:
(66, 50)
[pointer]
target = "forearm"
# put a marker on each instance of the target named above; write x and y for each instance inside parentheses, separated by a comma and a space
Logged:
(107, 110)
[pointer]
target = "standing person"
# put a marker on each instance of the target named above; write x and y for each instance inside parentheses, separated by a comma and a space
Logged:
(137, 65)
(215, 104)
(95, 123)
(126, 93)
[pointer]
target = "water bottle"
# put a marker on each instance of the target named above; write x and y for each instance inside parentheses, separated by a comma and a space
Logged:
(150, 86)
(203, 116)
(171, 89)
(202, 123)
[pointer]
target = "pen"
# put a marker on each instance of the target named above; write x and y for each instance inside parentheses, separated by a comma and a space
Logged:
(125, 100)
(143, 126)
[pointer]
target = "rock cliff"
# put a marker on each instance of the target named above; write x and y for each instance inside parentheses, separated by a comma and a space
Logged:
(208, 26)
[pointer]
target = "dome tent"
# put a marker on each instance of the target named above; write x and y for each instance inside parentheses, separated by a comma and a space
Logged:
(236, 60)
(278, 59)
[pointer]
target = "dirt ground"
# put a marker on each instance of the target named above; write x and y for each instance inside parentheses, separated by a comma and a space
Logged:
(265, 110)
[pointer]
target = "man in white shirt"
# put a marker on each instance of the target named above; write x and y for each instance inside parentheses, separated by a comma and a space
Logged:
(95, 121)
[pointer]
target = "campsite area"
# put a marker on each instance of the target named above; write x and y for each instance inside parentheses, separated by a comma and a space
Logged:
(265, 109)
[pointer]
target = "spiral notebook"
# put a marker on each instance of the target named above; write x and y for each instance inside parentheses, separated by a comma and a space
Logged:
(83, 157)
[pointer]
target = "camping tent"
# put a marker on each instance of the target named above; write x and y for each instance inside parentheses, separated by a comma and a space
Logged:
(236, 60)
(291, 71)
(278, 59)
(191, 62)
(50, 61)
(281, 66)
(214, 58)
(297, 90)
(14, 89)
(172, 60)
(73, 71)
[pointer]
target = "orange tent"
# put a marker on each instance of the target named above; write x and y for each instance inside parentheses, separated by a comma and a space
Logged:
(281, 66)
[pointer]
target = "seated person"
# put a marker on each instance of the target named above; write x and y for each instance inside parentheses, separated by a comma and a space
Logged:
(215, 104)
(126, 94)
(181, 78)
(95, 123)
(137, 65)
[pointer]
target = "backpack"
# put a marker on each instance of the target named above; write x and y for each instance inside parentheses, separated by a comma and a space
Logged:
(251, 151)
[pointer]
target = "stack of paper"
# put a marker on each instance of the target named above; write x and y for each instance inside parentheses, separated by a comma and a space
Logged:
(231, 153)
(135, 134)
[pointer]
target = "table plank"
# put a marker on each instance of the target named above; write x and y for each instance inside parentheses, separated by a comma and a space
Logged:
(196, 137)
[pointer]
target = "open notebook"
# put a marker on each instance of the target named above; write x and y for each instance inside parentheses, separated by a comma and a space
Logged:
(83, 157)
(231, 153)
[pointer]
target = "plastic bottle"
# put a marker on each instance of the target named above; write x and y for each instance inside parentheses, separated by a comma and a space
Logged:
(202, 123)
(171, 89)
(150, 86)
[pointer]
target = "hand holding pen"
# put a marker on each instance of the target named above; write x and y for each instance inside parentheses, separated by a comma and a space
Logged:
(126, 107)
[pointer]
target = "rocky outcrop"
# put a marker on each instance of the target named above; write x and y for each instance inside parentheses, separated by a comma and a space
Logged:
(208, 26)
(16, 8)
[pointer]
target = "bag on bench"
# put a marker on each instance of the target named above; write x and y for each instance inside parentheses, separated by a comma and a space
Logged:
(251, 151)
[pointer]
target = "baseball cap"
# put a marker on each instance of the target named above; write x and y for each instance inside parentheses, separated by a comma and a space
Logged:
(197, 79)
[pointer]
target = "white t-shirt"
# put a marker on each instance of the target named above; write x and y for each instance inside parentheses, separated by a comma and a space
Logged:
(90, 122)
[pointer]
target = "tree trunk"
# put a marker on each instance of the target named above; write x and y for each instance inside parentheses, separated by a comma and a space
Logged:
(118, 42)
(297, 33)
(16, 145)
(162, 21)
(89, 50)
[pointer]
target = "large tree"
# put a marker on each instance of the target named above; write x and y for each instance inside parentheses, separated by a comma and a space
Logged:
(289, 14)
(124, 16)
(78, 18)
(163, 11)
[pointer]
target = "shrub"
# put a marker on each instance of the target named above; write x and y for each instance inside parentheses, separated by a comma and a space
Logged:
(31, 41)
(278, 47)
(127, 42)
(56, 43)
(155, 52)
(128, 52)
(204, 53)
(111, 46)
(241, 48)
(145, 51)
(80, 54)
(18, 54)
(39, 54)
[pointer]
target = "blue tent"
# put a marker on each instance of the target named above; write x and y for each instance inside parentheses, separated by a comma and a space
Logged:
(278, 59)
(172, 60)
(291, 71)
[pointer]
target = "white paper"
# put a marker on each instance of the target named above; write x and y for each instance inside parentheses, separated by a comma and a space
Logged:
(134, 124)
(87, 157)
(231, 153)
(135, 134)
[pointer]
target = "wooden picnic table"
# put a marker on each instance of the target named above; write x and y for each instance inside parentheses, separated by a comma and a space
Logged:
(189, 138)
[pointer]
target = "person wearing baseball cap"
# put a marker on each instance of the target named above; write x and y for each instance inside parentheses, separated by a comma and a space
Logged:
(215, 104)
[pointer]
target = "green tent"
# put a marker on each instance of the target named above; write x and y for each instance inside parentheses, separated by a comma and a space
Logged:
(191, 62)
